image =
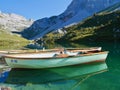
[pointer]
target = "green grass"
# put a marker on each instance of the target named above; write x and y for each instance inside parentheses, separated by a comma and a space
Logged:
(10, 41)
(99, 27)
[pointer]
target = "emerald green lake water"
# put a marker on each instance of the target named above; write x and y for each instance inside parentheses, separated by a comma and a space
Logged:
(94, 76)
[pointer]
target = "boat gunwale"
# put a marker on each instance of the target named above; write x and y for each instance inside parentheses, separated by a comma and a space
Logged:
(73, 56)
(47, 50)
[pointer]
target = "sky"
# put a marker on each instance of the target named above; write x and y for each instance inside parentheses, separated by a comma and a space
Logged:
(34, 9)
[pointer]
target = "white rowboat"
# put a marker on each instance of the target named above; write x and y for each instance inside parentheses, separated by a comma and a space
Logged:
(5, 52)
(53, 59)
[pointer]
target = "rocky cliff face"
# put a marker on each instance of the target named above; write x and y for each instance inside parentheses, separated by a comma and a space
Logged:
(76, 11)
(13, 22)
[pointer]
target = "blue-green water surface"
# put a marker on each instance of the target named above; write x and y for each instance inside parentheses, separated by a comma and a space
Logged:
(92, 76)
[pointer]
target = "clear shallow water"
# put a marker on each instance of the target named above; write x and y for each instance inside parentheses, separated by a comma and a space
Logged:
(64, 78)
(82, 77)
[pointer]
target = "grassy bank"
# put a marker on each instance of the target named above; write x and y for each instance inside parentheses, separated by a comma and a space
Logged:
(11, 41)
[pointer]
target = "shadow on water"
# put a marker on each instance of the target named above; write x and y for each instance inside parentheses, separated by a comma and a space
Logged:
(63, 78)
(34, 46)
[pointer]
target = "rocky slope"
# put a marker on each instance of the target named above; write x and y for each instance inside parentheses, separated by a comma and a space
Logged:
(13, 22)
(76, 11)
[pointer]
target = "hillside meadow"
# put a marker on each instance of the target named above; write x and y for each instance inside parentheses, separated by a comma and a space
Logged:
(11, 41)
(98, 27)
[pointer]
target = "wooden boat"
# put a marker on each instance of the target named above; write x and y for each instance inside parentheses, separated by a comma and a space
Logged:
(4, 52)
(54, 59)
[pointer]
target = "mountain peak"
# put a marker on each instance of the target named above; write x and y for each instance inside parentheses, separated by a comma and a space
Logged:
(13, 22)
(75, 12)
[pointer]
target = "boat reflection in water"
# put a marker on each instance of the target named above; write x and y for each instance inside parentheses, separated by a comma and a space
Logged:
(62, 78)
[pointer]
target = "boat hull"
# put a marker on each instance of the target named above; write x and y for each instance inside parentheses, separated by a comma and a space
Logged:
(36, 63)
(55, 74)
